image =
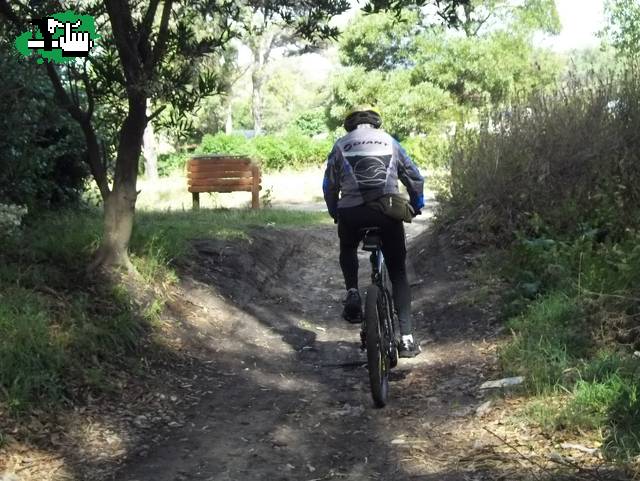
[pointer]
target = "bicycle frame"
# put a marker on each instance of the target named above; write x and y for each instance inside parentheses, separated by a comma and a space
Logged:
(377, 277)
(378, 333)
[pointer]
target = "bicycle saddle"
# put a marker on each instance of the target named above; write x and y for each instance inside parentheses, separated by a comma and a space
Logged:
(371, 240)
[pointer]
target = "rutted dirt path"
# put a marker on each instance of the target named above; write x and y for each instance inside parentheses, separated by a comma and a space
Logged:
(288, 395)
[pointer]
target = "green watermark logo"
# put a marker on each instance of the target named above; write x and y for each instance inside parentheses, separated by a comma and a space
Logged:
(60, 38)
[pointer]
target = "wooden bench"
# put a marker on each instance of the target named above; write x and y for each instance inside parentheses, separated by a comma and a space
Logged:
(223, 173)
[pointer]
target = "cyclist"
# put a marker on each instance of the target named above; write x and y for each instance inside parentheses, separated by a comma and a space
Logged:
(362, 167)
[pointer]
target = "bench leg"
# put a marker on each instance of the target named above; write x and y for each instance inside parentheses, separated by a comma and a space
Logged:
(255, 188)
(196, 200)
(255, 198)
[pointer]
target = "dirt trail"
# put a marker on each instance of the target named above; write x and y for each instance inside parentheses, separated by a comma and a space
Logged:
(288, 395)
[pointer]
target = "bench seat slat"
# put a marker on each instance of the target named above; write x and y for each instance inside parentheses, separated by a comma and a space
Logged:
(219, 158)
(194, 165)
(220, 175)
(225, 189)
(222, 182)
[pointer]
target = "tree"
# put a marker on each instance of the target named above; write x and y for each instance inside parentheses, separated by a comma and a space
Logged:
(41, 154)
(383, 41)
(488, 69)
(481, 16)
(406, 106)
(408, 59)
(265, 32)
(150, 50)
(623, 27)
(290, 91)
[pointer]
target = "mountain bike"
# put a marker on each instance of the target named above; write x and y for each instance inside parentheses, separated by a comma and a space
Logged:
(380, 321)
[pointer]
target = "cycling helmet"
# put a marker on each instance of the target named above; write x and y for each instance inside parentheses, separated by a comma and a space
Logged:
(362, 114)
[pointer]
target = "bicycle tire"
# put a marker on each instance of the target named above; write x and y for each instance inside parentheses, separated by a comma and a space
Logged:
(377, 359)
(393, 319)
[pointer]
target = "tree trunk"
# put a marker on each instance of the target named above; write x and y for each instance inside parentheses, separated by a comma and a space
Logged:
(467, 22)
(119, 209)
(228, 125)
(256, 100)
(150, 153)
(261, 49)
(119, 205)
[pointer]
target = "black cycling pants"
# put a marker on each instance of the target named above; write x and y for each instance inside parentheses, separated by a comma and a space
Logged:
(350, 221)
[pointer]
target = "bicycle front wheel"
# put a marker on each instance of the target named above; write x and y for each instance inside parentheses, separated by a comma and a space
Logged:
(377, 358)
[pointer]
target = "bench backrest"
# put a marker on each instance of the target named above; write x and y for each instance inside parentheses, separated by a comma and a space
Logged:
(223, 173)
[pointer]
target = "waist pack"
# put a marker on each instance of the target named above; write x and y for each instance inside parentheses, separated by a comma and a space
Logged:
(394, 206)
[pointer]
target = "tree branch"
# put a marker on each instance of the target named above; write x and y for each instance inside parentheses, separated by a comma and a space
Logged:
(73, 86)
(163, 35)
(98, 170)
(481, 23)
(124, 35)
(157, 112)
(63, 96)
(147, 23)
(144, 46)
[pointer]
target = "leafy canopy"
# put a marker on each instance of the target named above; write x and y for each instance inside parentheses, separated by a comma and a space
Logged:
(421, 76)
(623, 28)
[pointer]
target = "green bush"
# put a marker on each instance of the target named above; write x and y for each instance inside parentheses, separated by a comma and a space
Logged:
(170, 163)
(274, 153)
(550, 337)
(311, 122)
(431, 151)
(584, 295)
(291, 149)
(225, 144)
(41, 147)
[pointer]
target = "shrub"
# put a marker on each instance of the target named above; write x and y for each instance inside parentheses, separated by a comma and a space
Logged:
(174, 162)
(571, 158)
(274, 153)
(431, 151)
(311, 122)
(41, 147)
(291, 149)
(225, 144)
(557, 180)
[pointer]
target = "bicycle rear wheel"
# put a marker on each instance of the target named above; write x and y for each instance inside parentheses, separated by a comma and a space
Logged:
(377, 357)
(392, 328)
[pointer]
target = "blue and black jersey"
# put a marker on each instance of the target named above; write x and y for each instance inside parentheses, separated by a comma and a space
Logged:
(366, 164)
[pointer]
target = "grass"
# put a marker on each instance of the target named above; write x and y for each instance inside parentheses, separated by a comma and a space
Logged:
(547, 340)
(62, 332)
(165, 235)
(581, 380)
